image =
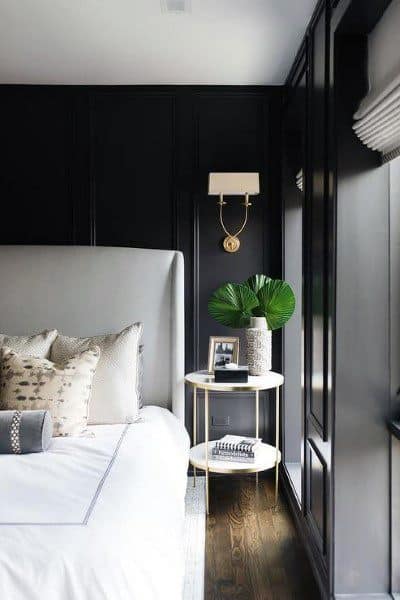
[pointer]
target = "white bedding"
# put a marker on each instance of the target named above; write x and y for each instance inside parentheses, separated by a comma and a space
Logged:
(97, 518)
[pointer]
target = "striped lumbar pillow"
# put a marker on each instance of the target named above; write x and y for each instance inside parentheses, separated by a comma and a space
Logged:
(23, 432)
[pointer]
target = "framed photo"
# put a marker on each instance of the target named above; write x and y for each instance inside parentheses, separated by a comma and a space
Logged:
(221, 351)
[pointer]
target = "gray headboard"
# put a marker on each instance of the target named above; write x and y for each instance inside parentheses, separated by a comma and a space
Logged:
(84, 291)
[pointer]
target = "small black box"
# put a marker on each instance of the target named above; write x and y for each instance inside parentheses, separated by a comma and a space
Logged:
(224, 375)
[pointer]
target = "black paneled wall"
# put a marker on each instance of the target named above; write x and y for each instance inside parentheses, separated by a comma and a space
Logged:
(128, 166)
(344, 514)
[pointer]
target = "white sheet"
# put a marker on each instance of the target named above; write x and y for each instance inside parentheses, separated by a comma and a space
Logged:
(97, 518)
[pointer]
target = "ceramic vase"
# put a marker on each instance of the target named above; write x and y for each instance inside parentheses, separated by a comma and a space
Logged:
(259, 346)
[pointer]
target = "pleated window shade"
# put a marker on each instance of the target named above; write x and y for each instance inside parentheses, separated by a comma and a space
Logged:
(377, 120)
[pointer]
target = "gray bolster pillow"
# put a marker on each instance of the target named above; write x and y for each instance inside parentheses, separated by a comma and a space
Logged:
(22, 432)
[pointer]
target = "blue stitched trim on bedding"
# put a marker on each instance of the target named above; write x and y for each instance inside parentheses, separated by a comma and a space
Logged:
(94, 499)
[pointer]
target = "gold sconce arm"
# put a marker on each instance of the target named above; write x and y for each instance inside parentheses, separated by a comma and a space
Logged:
(232, 242)
(233, 184)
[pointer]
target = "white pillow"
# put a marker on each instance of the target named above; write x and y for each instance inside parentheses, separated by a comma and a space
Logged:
(35, 345)
(114, 393)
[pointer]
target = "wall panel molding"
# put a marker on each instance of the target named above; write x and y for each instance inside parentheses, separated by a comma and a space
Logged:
(350, 552)
(136, 172)
(317, 499)
(318, 564)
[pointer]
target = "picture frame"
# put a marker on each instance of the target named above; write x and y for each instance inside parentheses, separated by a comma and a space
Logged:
(222, 350)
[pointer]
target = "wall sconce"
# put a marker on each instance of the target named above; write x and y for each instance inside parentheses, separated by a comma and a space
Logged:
(233, 184)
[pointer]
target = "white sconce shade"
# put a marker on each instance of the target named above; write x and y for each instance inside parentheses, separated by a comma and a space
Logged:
(232, 184)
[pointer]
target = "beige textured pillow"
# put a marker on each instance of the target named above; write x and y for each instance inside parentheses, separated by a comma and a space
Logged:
(28, 383)
(114, 395)
(38, 344)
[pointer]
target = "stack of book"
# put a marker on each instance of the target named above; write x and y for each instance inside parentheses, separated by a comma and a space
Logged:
(236, 448)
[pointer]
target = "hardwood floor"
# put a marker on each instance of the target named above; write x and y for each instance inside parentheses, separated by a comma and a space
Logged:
(252, 550)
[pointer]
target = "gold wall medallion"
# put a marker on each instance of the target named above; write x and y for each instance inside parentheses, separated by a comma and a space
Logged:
(231, 243)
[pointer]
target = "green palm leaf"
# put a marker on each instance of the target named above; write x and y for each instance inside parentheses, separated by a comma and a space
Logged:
(232, 304)
(276, 302)
(256, 282)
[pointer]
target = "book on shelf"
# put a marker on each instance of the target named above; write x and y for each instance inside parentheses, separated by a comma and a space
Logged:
(231, 458)
(236, 448)
(237, 443)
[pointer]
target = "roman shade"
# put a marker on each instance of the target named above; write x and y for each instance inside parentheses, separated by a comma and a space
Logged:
(377, 120)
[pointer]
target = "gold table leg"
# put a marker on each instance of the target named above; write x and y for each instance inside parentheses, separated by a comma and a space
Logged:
(257, 422)
(206, 446)
(194, 428)
(276, 444)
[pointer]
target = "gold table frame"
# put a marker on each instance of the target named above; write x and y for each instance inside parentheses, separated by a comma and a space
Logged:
(255, 384)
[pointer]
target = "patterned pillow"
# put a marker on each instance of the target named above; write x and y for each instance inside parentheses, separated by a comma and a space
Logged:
(38, 344)
(38, 384)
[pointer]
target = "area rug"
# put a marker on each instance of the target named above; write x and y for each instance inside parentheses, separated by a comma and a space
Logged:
(195, 537)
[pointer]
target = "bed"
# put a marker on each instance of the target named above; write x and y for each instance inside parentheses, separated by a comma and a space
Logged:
(99, 517)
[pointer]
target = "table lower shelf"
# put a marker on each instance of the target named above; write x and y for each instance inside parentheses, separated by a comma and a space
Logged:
(266, 459)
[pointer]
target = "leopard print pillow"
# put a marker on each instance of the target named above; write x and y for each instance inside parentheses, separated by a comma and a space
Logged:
(28, 383)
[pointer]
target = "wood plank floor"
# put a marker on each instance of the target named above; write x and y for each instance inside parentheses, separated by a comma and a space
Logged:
(252, 550)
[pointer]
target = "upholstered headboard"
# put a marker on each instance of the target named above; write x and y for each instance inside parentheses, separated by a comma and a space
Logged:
(84, 291)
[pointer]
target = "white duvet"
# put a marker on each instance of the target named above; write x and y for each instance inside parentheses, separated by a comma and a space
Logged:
(97, 518)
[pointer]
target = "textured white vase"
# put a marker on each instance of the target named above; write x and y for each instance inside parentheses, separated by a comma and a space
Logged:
(259, 346)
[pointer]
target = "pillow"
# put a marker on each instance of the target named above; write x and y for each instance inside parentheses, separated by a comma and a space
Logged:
(114, 395)
(63, 389)
(24, 432)
(140, 376)
(34, 345)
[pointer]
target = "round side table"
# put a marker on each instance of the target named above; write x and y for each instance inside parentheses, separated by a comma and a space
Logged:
(268, 457)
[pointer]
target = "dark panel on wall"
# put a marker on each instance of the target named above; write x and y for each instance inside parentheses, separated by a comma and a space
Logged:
(317, 279)
(223, 147)
(128, 166)
(358, 16)
(362, 353)
(394, 191)
(318, 256)
(37, 159)
(293, 167)
(395, 515)
(317, 215)
(132, 169)
(316, 497)
(346, 375)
